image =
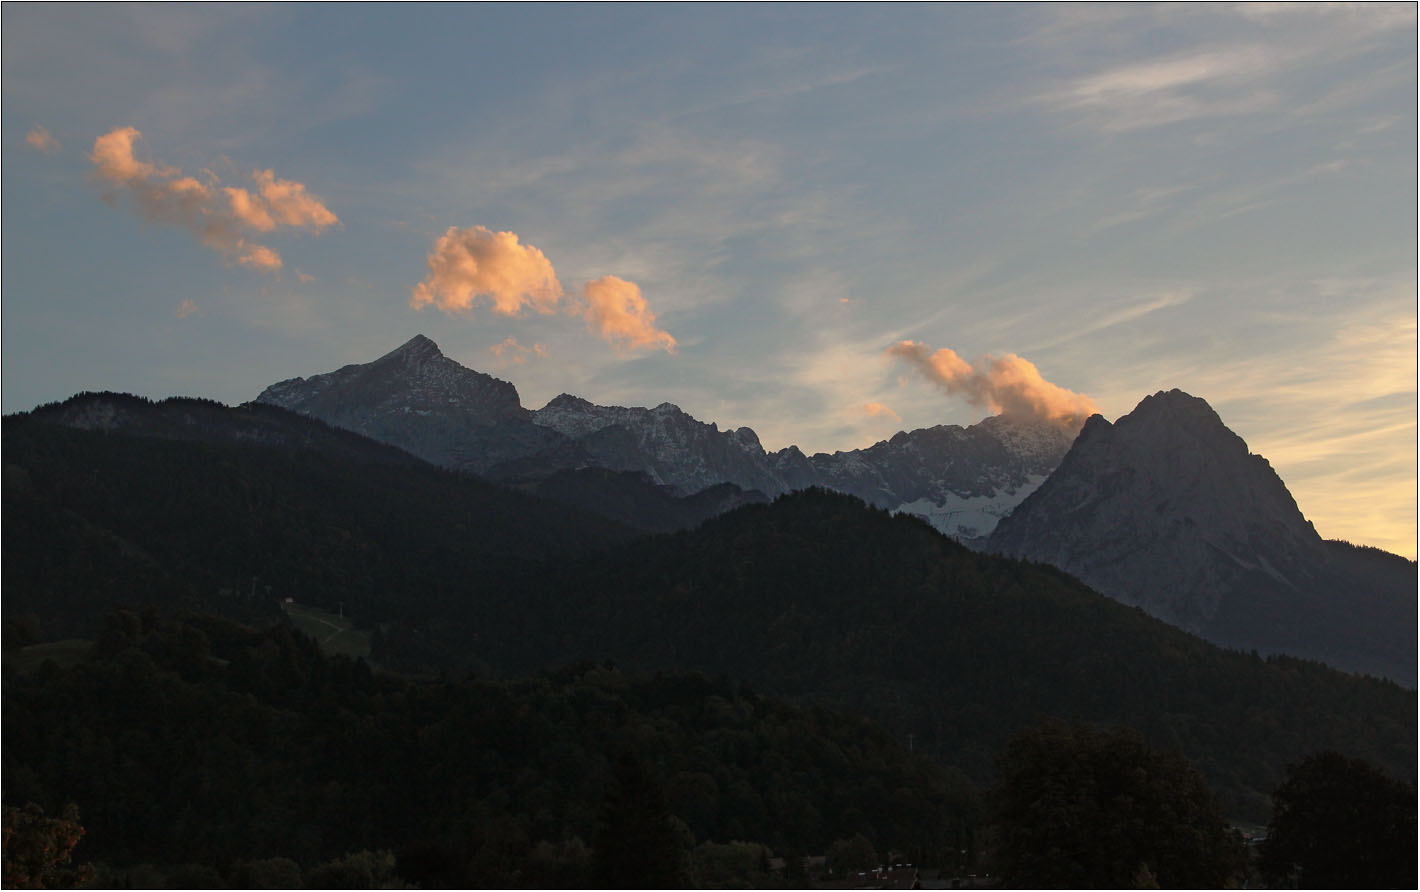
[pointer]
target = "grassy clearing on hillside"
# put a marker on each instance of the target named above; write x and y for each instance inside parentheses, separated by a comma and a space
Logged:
(336, 634)
(65, 653)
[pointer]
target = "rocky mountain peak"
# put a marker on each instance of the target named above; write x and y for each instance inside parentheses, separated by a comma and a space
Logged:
(415, 352)
(1167, 509)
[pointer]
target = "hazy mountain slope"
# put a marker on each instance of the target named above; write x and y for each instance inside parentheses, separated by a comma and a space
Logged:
(1166, 509)
(632, 498)
(207, 421)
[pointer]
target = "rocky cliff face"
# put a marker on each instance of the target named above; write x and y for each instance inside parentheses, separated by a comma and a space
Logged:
(1168, 510)
(422, 401)
(665, 443)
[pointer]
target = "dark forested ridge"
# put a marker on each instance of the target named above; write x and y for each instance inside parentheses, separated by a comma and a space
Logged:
(821, 598)
(95, 520)
(252, 745)
(815, 598)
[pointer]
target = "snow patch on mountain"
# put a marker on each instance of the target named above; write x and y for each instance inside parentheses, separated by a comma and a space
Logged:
(970, 517)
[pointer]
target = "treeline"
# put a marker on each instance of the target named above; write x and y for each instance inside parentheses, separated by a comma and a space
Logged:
(199, 742)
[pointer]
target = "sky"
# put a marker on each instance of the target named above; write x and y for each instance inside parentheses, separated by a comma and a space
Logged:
(827, 223)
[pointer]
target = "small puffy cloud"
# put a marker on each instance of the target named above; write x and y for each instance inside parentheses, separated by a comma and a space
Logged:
(249, 209)
(220, 216)
(260, 257)
(510, 352)
(878, 410)
(1006, 385)
(473, 264)
(305, 278)
(291, 205)
(40, 138)
(616, 311)
(186, 308)
(113, 156)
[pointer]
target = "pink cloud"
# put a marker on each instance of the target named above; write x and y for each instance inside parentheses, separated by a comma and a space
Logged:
(220, 216)
(468, 265)
(1006, 385)
(40, 139)
(617, 312)
(878, 410)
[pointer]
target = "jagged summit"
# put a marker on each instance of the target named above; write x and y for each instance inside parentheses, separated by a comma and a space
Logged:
(416, 350)
(1167, 509)
(417, 398)
(962, 480)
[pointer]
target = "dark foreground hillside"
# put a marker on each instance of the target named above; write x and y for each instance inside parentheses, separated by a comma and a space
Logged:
(256, 504)
(820, 598)
(816, 598)
(213, 752)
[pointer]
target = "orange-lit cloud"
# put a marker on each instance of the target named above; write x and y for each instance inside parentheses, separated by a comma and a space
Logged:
(260, 257)
(876, 410)
(218, 215)
(305, 278)
(476, 263)
(616, 310)
(40, 138)
(291, 204)
(186, 308)
(511, 352)
(1006, 385)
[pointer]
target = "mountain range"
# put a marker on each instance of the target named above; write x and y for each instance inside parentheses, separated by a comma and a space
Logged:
(815, 597)
(1166, 509)
(962, 480)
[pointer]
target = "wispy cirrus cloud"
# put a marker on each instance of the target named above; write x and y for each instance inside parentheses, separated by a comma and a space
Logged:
(219, 216)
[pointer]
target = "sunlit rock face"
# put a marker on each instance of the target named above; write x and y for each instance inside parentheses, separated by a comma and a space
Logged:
(1168, 510)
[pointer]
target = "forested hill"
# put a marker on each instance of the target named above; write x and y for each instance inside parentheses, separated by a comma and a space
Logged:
(815, 597)
(225, 754)
(97, 519)
(821, 598)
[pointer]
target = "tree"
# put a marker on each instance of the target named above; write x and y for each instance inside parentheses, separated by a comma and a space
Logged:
(1081, 807)
(641, 844)
(848, 855)
(1339, 822)
(38, 850)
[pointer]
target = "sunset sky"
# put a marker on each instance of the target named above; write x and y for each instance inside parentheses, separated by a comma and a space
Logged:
(745, 210)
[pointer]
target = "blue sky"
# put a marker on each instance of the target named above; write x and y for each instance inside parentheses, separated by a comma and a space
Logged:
(1133, 198)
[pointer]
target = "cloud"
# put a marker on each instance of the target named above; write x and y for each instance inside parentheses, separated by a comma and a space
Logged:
(40, 138)
(260, 257)
(291, 205)
(1006, 385)
(473, 265)
(510, 352)
(467, 265)
(875, 410)
(218, 215)
(616, 310)
(186, 308)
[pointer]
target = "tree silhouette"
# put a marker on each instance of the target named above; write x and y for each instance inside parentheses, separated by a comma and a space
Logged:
(1339, 822)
